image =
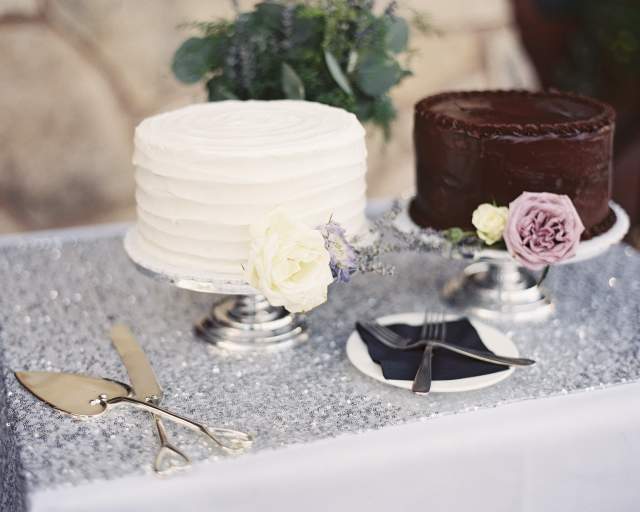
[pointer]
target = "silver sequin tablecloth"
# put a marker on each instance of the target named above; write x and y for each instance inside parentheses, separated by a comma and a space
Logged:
(61, 294)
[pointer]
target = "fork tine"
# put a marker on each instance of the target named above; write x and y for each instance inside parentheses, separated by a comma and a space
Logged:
(384, 333)
(436, 326)
(444, 327)
(426, 328)
(434, 323)
(373, 327)
(425, 323)
(433, 333)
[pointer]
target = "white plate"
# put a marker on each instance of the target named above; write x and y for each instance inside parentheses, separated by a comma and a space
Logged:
(494, 340)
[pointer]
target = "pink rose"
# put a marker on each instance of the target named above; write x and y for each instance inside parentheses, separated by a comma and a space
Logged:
(542, 229)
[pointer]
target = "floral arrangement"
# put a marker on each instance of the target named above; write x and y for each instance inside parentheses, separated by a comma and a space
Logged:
(292, 264)
(337, 52)
(538, 229)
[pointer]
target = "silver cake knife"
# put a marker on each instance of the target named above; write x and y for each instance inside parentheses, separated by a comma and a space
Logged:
(146, 388)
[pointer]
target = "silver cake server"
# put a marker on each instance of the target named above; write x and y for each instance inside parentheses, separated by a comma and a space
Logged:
(85, 396)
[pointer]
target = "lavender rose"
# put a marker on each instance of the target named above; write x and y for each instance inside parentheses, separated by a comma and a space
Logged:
(542, 229)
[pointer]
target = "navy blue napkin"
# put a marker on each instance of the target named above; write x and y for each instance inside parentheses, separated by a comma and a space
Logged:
(446, 365)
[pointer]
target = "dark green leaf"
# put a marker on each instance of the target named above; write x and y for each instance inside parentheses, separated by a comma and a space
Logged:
(377, 73)
(194, 58)
(306, 31)
(337, 73)
(364, 108)
(383, 113)
(292, 86)
(269, 14)
(398, 35)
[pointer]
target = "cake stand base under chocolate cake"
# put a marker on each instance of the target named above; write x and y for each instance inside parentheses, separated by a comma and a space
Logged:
(490, 146)
(495, 288)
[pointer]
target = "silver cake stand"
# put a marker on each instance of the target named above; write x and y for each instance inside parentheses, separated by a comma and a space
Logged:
(495, 287)
(243, 321)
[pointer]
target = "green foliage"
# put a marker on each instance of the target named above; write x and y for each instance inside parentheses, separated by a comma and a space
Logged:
(336, 72)
(457, 235)
(337, 52)
(398, 35)
(195, 57)
(377, 73)
(291, 84)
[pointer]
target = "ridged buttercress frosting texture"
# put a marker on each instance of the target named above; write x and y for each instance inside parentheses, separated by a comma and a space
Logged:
(206, 172)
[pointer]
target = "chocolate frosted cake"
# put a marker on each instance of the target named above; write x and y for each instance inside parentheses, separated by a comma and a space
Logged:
(490, 146)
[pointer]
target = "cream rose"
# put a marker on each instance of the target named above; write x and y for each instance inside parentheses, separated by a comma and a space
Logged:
(288, 262)
(490, 221)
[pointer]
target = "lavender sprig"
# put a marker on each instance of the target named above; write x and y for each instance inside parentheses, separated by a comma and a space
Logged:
(344, 260)
(429, 240)
(287, 26)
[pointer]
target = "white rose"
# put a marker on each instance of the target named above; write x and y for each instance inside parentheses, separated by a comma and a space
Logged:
(288, 262)
(490, 222)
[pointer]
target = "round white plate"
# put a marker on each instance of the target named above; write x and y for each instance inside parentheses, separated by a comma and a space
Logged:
(586, 250)
(494, 340)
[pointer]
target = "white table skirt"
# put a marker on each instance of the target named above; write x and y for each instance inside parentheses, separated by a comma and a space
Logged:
(577, 452)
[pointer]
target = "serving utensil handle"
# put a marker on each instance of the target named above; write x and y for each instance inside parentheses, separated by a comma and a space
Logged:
(232, 441)
(168, 457)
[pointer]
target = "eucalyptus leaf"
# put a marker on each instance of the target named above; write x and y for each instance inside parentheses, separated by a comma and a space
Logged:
(194, 58)
(398, 35)
(337, 73)
(292, 86)
(353, 61)
(377, 73)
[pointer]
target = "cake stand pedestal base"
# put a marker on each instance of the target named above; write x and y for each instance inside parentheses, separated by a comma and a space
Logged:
(249, 322)
(495, 287)
(498, 290)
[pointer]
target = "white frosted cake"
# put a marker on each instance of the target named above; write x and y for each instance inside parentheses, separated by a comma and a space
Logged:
(206, 172)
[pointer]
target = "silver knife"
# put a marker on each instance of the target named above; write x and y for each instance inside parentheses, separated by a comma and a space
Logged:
(147, 389)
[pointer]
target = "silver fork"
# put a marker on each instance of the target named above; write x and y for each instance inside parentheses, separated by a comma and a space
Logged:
(393, 340)
(434, 328)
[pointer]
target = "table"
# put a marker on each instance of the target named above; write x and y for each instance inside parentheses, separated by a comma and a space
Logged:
(562, 435)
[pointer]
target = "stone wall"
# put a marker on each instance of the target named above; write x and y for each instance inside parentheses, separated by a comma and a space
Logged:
(78, 75)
